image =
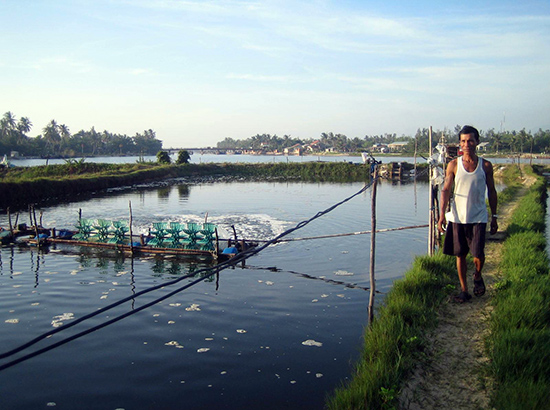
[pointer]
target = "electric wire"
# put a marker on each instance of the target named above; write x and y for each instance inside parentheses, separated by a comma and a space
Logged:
(242, 256)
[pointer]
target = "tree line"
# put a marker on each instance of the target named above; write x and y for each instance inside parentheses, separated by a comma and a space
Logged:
(56, 140)
(504, 142)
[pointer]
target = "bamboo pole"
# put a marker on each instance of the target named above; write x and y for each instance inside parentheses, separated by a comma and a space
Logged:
(35, 226)
(9, 221)
(373, 245)
(415, 150)
(430, 199)
(130, 227)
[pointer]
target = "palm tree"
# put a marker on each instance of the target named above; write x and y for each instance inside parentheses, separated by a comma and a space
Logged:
(497, 140)
(9, 119)
(7, 124)
(64, 134)
(51, 134)
(24, 125)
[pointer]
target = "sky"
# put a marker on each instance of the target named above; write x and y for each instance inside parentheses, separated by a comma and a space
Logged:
(197, 72)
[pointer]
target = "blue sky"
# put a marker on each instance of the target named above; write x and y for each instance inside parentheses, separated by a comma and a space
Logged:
(197, 72)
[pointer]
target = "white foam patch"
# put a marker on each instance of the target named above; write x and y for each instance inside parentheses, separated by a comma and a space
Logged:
(311, 342)
(248, 226)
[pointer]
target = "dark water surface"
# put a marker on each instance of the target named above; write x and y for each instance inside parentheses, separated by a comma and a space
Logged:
(281, 333)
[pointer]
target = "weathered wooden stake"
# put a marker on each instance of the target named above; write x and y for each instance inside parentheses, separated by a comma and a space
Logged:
(130, 223)
(373, 244)
(430, 199)
(9, 221)
(35, 226)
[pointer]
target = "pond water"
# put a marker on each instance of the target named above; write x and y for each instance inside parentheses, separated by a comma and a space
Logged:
(281, 332)
(212, 158)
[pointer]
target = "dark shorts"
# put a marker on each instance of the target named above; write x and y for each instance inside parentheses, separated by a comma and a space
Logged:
(461, 238)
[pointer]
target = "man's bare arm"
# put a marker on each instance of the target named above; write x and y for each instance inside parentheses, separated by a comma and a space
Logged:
(492, 195)
(446, 194)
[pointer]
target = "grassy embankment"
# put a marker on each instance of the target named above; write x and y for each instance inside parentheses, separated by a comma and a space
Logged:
(21, 186)
(396, 340)
(519, 343)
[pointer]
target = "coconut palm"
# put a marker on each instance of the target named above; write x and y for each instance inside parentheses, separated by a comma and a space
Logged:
(24, 125)
(7, 124)
(51, 134)
(9, 120)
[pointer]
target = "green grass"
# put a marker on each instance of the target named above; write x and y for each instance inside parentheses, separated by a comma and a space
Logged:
(519, 342)
(23, 185)
(397, 338)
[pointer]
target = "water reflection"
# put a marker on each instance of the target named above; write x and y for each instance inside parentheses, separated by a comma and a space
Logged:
(110, 264)
(184, 190)
(164, 193)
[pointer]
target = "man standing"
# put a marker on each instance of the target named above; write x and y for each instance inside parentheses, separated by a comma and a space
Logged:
(472, 176)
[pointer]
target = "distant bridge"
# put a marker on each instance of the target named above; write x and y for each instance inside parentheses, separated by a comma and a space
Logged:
(207, 150)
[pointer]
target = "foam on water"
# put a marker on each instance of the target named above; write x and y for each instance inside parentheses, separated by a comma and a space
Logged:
(249, 226)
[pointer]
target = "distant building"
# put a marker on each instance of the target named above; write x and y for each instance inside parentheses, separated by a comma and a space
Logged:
(397, 146)
(380, 148)
(315, 146)
(296, 149)
(483, 146)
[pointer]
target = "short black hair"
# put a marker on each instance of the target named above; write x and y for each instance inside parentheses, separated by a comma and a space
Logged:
(468, 129)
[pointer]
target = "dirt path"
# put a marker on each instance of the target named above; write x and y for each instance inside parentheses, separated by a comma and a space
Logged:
(451, 376)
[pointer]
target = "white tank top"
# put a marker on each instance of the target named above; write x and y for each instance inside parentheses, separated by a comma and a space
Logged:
(468, 205)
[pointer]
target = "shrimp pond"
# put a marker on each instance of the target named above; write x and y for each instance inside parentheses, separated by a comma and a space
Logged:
(280, 332)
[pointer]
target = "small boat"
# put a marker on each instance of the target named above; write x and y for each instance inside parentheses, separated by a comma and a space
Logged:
(164, 238)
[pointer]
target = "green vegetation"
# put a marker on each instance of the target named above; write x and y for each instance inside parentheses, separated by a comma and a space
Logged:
(395, 340)
(183, 157)
(520, 324)
(23, 185)
(163, 157)
(56, 140)
(505, 142)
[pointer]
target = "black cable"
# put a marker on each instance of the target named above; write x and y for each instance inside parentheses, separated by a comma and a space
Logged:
(242, 256)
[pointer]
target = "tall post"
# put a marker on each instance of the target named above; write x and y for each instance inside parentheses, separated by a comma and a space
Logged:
(430, 199)
(130, 228)
(9, 221)
(373, 244)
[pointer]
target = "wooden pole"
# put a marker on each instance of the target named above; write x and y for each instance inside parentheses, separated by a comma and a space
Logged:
(9, 221)
(430, 199)
(35, 227)
(130, 227)
(373, 245)
(415, 150)
(217, 242)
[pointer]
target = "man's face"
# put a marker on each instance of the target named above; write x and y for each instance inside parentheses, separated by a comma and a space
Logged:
(468, 143)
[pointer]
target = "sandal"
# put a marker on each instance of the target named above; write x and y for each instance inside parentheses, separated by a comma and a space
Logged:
(479, 287)
(462, 297)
